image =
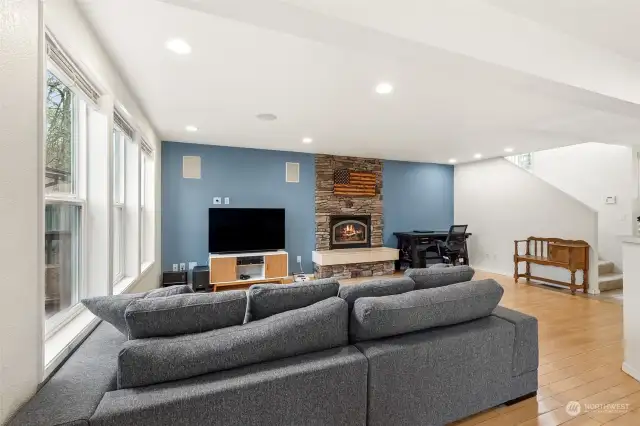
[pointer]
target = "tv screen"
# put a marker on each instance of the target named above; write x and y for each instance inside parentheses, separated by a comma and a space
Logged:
(240, 230)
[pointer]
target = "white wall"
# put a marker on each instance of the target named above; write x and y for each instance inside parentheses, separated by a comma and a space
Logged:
(590, 172)
(21, 205)
(502, 203)
(64, 19)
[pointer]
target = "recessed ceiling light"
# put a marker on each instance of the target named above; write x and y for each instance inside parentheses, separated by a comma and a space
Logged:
(178, 45)
(267, 117)
(478, 156)
(384, 88)
(453, 160)
(508, 149)
(307, 140)
(191, 129)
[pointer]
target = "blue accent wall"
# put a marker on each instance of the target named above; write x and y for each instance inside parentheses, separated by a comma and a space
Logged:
(416, 196)
(251, 178)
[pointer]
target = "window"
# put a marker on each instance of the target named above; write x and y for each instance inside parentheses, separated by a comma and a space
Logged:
(81, 226)
(65, 115)
(143, 192)
(60, 172)
(119, 141)
(62, 257)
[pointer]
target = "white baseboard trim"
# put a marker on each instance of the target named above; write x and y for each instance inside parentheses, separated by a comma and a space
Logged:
(492, 271)
(631, 371)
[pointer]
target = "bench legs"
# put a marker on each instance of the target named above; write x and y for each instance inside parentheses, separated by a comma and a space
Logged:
(516, 272)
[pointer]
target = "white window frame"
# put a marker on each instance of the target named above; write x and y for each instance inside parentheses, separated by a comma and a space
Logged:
(77, 197)
(119, 204)
(143, 194)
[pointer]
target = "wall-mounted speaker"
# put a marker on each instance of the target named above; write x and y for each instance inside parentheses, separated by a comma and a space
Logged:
(293, 172)
(191, 167)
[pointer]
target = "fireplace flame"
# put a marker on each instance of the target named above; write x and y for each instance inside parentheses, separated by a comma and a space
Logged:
(349, 231)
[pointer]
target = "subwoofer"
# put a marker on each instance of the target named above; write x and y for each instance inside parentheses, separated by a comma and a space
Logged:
(200, 278)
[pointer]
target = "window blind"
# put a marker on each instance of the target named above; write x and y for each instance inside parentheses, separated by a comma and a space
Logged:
(58, 56)
(146, 148)
(120, 122)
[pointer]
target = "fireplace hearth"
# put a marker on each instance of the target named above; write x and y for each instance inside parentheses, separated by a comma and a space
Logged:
(350, 231)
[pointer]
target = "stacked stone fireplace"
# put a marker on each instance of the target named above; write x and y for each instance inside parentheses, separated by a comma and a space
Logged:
(357, 218)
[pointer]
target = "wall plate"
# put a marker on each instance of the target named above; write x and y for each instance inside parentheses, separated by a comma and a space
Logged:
(217, 200)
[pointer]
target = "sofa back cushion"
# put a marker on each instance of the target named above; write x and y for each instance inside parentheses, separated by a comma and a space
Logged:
(185, 313)
(112, 308)
(375, 288)
(439, 276)
(320, 326)
(376, 317)
(265, 300)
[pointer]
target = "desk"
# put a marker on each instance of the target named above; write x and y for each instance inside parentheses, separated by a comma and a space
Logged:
(411, 241)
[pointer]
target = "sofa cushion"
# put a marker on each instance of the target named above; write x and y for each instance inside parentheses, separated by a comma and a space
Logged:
(440, 276)
(375, 288)
(112, 308)
(270, 299)
(72, 393)
(185, 313)
(313, 328)
(375, 317)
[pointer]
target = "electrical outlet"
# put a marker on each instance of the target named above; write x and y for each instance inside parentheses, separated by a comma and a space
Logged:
(226, 200)
(175, 267)
(299, 259)
(192, 265)
(183, 266)
(217, 200)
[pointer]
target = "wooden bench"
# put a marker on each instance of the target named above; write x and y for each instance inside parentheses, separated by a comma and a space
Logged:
(568, 254)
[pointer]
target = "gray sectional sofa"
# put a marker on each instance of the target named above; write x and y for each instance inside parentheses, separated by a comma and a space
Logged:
(424, 349)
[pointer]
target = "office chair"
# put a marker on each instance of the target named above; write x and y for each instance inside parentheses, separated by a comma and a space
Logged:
(455, 246)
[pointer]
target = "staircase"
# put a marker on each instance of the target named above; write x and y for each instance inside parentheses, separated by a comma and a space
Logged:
(607, 278)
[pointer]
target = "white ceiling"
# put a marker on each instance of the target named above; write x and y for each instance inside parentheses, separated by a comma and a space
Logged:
(445, 105)
(611, 24)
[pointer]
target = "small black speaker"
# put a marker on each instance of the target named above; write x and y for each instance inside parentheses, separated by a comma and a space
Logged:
(174, 278)
(200, 278)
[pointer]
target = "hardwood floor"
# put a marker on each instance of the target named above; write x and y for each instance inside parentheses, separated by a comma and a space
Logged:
(580, 360)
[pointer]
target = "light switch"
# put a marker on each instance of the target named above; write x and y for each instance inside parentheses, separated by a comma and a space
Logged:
(226, 200)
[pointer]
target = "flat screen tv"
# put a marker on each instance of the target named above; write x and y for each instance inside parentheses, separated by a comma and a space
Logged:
(234, 230)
